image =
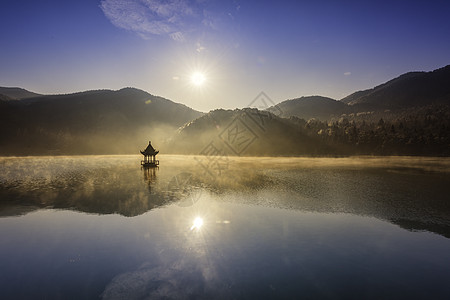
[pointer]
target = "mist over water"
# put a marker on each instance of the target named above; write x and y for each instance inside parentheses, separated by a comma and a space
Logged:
(238, 228)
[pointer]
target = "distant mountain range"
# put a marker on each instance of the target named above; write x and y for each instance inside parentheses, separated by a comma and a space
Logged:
(407, 115)
(318, 107)
(107, 122)
(244, 132)
(93, 122)
(410, 90)
(15, 93)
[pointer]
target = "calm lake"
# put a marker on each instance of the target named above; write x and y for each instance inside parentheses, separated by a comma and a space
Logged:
(100, 227)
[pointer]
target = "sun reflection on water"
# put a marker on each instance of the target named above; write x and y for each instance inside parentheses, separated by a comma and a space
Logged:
(197, 224)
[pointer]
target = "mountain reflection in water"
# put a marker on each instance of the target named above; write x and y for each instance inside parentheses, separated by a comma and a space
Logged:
(410, 192)
(259, 228)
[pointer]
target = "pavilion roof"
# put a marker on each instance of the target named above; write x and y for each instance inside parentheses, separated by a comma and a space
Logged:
(149, 150)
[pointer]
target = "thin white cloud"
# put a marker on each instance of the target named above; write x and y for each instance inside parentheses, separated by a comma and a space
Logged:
(150, 17)
(348, 73)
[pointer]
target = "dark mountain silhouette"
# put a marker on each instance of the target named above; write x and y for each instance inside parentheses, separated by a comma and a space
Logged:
(101, 122)
(15, 93)
(408, 94)
(408, 90)
(407, 115)
(244, 132)
(318, 107)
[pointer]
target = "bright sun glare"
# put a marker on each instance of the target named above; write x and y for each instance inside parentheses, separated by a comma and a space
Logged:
(198, 222)
(198, 78)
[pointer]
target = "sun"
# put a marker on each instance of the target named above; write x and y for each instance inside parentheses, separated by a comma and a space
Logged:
(198, 78)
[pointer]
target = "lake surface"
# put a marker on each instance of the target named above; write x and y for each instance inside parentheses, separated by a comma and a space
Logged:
(91, 227)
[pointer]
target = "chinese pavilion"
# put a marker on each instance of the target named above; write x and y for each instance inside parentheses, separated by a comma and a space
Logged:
(149, 156)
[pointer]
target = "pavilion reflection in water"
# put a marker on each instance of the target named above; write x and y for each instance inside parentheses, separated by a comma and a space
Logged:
(150, 176)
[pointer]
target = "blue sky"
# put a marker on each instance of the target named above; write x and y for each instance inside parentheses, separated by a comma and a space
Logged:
(287, 49)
